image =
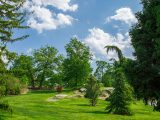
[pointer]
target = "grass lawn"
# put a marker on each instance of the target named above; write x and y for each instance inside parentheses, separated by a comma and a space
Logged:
(34, 106)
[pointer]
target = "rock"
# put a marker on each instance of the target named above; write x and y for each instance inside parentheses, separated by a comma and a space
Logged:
(24, 91)
(76, 96)
(76, 92)
(60, 96)
(106, 92)
(82, 90)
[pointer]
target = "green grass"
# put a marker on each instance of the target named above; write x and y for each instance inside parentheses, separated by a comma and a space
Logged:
(34, 106)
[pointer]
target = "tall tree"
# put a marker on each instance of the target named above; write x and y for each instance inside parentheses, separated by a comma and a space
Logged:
(145, 37)
(11, 18)
(101, 69)
(47, 62)
(122, 94)
(24, 65)
(77, 64)
(121, 97)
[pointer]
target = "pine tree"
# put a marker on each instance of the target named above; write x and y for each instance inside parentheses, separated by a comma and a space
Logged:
(121, 96)
(11, 18)
(145, 37)
(93, 90)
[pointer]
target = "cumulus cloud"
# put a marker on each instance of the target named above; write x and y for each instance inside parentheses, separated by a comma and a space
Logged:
(42, 18)
(98, 39)
(125, 15)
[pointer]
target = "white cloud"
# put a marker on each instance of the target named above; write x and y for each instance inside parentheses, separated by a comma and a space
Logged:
(42, 18)
(64, 5)
(124, 15)
(98, 39)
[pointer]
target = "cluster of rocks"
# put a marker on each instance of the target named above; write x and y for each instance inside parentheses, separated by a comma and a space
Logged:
(80, 94)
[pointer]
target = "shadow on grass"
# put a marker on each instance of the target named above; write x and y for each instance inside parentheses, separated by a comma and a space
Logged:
(97, 112)
(82, 104)
(4, 116)
(49, 91)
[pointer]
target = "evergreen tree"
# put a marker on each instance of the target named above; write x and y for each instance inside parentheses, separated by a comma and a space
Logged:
(145, 37)
(93, 90)
(11, 18)
(121, 97)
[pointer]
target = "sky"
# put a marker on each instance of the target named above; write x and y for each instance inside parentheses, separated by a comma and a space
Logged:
(96, 23)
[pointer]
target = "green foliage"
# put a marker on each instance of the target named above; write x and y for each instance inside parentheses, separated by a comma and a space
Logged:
(9, 85)
(117, 50)
(145, 37)
(104, 73)
(121, 97)
(48, 63)
(77, 64)
(11, 18)
(23, 67)
(5, 106)
(93, 90)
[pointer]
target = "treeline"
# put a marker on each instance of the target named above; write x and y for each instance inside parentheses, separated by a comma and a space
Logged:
(45, 67)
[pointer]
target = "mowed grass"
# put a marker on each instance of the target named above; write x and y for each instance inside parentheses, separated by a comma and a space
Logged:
(34, 106)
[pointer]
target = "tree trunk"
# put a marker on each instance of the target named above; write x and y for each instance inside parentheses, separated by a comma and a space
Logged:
(42, 80)
(31, 76)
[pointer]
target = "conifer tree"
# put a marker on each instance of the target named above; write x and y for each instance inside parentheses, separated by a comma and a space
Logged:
(145, 38)
(11, 18)
(121, 97)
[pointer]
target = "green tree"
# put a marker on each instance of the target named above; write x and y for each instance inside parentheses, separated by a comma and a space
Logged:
(145, 37)
(122, 94)
(104, 73)
(47, 62)
(77, 64)
(93, 90)
(23, 66)
(121, 97)
(11, 18)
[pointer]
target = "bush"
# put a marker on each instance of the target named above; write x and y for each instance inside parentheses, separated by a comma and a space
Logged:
(9, 85)
(93, 90)
(59, 88)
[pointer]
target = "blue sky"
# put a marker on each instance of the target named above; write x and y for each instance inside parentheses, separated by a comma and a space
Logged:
(95, 22)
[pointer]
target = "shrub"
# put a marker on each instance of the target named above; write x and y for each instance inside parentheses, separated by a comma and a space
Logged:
(59, 88)
(93, 90)
(9, 85)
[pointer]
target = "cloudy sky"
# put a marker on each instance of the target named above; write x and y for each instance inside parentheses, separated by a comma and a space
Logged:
(95, 22)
